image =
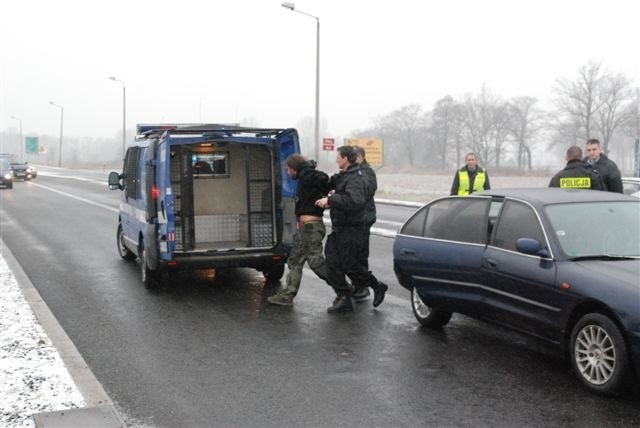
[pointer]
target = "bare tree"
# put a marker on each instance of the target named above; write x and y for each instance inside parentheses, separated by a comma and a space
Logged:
(579, 100)
(615, 95)
(526, 122)
(486, 124)
(404, 127)
(445, 128)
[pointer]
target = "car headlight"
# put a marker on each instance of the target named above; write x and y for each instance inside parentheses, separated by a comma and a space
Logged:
(29, 170)
(7, 176)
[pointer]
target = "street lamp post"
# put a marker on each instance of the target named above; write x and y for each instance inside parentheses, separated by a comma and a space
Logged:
(21, 143)
(61, 121)
(124, 115)
(292, 7)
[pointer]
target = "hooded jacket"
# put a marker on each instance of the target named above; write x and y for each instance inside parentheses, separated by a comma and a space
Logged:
(312, 185)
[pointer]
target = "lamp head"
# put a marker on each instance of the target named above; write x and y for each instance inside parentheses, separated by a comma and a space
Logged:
(288, 5)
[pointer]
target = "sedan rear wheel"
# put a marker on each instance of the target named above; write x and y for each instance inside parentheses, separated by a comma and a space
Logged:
(600, 356)
(426, 315)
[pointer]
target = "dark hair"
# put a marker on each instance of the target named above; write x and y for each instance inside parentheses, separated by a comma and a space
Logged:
(348, 152)
(359, 151)
(574, 152)
(593, 141)
(295, 161)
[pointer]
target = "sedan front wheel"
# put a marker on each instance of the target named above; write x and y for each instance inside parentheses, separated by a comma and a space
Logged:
(426, 315)
(600, 358)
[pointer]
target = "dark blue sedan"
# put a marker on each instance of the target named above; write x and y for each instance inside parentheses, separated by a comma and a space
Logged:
(561, 265)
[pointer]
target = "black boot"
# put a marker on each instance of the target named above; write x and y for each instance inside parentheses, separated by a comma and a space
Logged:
(378, 293)
(342, 303)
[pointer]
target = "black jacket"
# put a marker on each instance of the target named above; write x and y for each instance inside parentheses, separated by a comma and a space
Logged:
(347, 204)
(312, 185)
(582, 175)
(609, 173)
(372, 185)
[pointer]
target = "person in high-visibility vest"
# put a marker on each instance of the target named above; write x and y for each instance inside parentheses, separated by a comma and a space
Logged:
(470, 178)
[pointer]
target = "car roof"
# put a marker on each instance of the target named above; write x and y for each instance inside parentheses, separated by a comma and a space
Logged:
(555, 195)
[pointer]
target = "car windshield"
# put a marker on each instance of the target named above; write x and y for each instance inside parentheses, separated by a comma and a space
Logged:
(4, 164)
(597, 229)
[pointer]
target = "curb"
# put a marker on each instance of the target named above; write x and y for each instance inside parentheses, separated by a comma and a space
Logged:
(88, 385)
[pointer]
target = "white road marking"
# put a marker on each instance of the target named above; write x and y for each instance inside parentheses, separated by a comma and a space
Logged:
(88, 201)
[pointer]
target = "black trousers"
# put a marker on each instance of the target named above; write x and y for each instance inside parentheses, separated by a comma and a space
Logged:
(343, 254)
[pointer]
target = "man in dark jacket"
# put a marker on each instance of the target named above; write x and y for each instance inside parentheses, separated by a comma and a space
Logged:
(470, 178)
(307, 245)
(608, 170)
(362, 292)
(347, 208)
(577, 174)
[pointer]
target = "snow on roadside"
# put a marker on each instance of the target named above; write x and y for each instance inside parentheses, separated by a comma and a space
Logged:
(33, 378)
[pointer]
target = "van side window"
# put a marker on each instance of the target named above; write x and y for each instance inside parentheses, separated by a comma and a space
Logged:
(131, 173)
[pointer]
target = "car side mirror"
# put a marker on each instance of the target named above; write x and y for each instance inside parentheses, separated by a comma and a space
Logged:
(114, 181)
(532, 247)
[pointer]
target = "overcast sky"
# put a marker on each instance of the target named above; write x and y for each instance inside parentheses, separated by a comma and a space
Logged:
(236, 59)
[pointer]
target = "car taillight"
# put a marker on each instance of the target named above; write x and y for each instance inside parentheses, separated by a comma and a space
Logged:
(155, 192)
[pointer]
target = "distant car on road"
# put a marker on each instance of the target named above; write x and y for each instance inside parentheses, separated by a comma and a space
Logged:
(23, 170)
(6, 174)
(631, 186)
(561, 265)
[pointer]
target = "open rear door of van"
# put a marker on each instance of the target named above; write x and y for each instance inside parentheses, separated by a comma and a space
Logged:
(287, 143)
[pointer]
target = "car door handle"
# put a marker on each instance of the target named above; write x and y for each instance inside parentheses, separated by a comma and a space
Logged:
(407, 252)
(492, 264)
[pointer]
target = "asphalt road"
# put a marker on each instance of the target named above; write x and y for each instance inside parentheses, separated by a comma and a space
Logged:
(208, 351)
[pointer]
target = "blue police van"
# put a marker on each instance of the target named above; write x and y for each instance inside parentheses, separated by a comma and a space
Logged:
(206, 196)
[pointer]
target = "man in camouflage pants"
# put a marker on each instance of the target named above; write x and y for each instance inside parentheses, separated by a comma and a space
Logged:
(307, 245)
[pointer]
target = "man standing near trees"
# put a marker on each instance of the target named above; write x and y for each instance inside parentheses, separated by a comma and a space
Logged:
(608, 170)
(470, 178)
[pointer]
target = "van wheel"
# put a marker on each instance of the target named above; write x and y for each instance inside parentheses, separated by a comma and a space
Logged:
(124, 252)
(147, 275)
(274, 273)
(600, 357)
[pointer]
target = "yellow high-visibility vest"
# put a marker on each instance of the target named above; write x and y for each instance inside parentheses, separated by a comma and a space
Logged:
(463, 179)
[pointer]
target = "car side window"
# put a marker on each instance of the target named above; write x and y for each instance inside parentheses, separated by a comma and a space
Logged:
(516, 221)
(415, 225)
(458, 219)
